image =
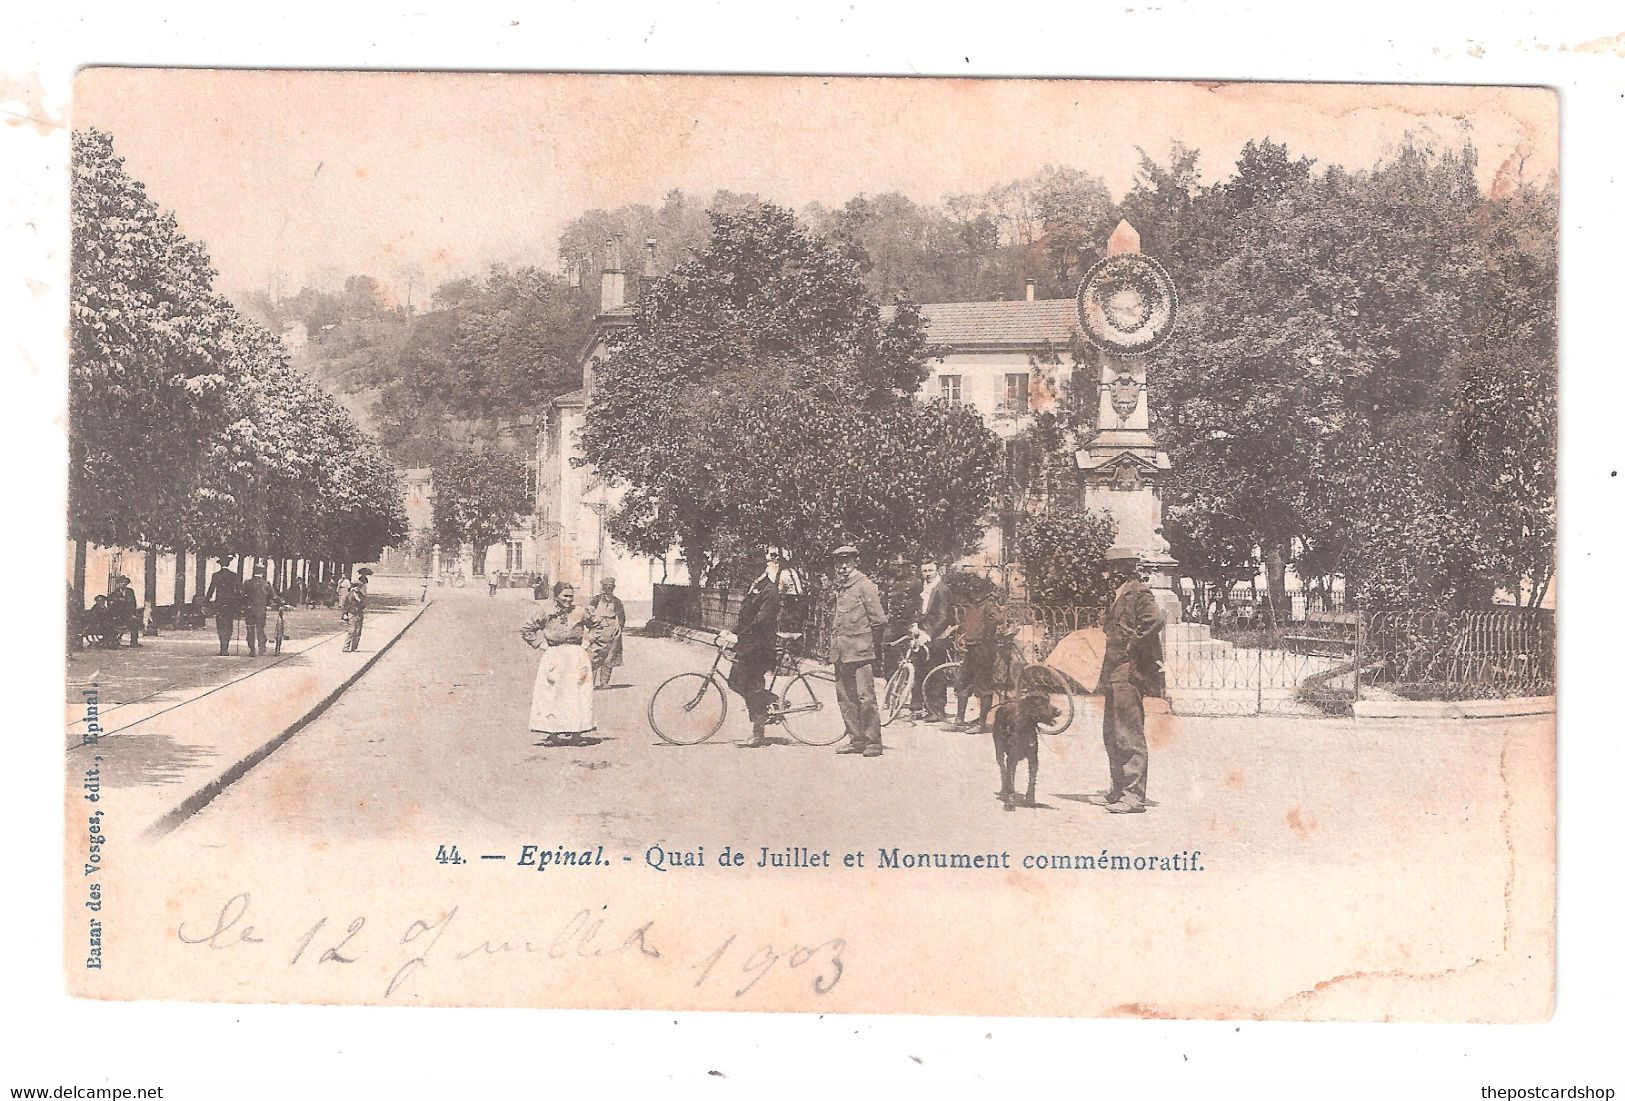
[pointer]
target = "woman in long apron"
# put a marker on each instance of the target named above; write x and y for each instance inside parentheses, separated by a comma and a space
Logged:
(561, 702)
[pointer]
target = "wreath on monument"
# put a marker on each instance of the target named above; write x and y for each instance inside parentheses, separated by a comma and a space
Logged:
(1127, 304)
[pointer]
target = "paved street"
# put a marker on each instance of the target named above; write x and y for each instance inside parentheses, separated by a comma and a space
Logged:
(431, 744)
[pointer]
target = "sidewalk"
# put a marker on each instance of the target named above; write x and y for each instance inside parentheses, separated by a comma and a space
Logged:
(177, 722)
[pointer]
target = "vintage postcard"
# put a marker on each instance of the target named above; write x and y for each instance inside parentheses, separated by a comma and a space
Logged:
(825, 545)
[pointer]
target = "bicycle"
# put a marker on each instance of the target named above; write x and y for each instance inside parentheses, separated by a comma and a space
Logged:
(689, 708)
(900, 685)
(1032, 678)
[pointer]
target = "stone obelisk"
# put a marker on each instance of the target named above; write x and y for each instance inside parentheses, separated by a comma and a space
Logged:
(1127, 302)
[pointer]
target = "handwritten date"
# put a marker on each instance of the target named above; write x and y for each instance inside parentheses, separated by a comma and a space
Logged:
(736, 965)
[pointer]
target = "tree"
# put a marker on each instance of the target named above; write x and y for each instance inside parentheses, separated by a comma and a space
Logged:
(760, 398)
(478, 498)
(1062, 551)
(190, 427)
(148, 376)
(1077, 215)
(1328, 393)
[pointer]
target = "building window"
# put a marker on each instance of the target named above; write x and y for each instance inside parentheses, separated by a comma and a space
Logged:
(516, 556)
(1015, 393)
(951, 390)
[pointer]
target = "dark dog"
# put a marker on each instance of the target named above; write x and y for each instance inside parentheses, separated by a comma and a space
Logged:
(1015, 738)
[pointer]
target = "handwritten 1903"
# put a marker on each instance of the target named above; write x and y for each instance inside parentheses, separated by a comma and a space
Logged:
(734, 965)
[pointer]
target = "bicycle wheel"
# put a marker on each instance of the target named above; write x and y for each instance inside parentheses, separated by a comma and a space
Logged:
(899, 686)
(808, 711)
(941, 692)
(1043, 681)
(688, 708)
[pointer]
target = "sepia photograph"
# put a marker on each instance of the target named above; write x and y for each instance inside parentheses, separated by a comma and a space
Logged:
(737, 542)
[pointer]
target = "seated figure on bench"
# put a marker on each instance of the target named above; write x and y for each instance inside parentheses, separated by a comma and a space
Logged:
(97, 627)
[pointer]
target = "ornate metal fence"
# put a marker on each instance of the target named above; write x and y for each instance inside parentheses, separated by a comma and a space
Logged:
(1460, 655)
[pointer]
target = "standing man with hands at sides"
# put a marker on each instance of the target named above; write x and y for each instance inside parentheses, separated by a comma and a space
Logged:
(854, 644)
(1130, 670)
(258, 595)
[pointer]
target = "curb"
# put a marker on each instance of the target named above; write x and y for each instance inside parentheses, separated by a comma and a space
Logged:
(1456, 709)
(206, 794)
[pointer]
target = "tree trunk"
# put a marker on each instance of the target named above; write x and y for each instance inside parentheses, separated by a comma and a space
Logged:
(149, 578)
(200, 583)
(81, 553)
(1275, 572)
(180, 576)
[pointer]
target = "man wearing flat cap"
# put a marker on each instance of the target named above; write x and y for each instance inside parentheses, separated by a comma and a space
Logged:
(854, 643)
(1130, 671)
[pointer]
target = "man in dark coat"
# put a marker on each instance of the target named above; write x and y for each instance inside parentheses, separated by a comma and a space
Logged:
(225, 595)
(931, 621)
(126, 612)
(756, 641)
(1130, 670)
(258, 595)
(355, 608)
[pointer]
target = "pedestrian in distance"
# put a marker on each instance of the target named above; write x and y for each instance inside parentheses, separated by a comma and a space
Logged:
(355, 608)
(1130, 670)
(342, 591)
(225, 596)
(126, 611)
(561, 699)
(860, 619)
(606, 622)
(755, 640)
(258, 596)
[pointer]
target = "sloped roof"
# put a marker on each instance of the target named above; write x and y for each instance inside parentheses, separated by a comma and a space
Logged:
(574, 397)
(1021, 323)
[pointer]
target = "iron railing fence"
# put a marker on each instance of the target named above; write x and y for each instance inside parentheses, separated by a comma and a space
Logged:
(1324, 656)
(1496, 651)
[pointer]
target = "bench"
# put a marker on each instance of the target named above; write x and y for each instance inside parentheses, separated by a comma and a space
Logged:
(1329, 633)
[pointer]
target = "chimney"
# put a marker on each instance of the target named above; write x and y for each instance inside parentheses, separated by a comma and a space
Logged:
(1032, 289)
(649, 258)
(613, 287)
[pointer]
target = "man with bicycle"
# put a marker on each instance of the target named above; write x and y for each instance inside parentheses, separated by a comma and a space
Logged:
(755, 641)
(930, 630)
(981, 626)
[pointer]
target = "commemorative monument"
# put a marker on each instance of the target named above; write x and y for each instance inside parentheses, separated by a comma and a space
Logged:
(1127, 307)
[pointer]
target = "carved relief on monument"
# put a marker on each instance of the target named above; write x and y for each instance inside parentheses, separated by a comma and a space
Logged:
(1125, 395)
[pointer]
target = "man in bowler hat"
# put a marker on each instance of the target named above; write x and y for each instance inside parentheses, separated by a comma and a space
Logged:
(225, 596)
(1130, 671)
